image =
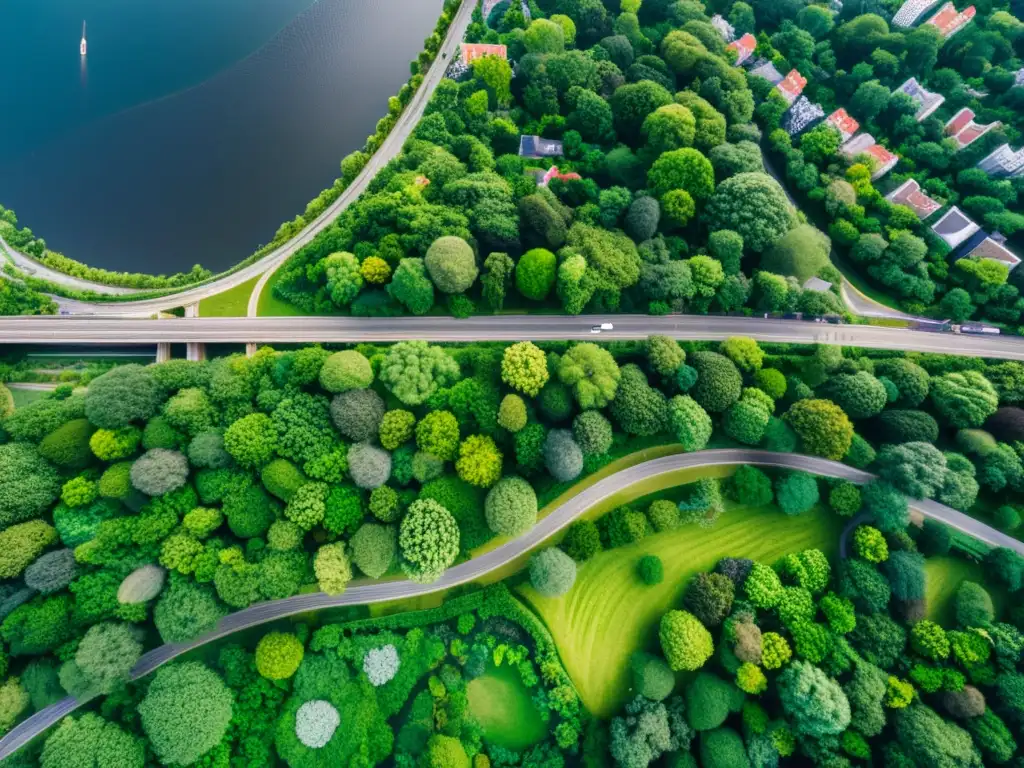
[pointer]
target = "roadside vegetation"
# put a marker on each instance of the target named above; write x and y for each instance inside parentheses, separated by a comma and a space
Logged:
(858, 60)
(30, 300)
(145, 507)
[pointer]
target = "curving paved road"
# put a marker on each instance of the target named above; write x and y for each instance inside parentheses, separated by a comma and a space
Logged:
(281, 330)
(268, 264)
(383, 591)
(34, 268)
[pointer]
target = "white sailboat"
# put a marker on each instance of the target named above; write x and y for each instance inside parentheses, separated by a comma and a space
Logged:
(82, 47)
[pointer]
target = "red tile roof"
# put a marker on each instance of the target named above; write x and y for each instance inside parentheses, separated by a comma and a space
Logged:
(909, 193)
(473, 51)
(959, 121)
(792, 84)
(949, 20)
(744, 47)
(842, 122)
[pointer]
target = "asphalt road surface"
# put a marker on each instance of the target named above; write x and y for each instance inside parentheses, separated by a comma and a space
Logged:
(391, 146)
(280, 330)
(384, 591)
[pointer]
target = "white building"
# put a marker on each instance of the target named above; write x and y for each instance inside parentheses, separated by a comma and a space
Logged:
(954, 227)
(1004, 162)
(927, 101)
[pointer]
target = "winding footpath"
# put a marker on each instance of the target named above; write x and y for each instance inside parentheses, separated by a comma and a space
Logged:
(383, 591)
(265, 266)
(335, 330)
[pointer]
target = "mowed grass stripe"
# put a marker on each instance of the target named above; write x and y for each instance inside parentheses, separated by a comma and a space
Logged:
(609, 613)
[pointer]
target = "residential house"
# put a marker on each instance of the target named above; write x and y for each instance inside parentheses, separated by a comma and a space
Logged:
(802, 115)
(909, 194)
(744, 48)
(963, 128)
(982, 245)
(1003, 162)
(843, 123)
(791, 86)
(537, 147)
(949, 20)
(954, 227)
(927, 101)
(911, 12)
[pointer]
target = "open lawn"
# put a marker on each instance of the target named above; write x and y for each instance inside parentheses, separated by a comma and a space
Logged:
(944, 575)
(503, 707)
(23, 397)
(233, 302)
(609, 613)
(271, 306)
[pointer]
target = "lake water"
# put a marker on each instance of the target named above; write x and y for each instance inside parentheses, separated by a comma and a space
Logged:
(193, 128)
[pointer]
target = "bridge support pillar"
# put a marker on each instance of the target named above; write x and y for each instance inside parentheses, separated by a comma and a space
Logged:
(195, 350)
(250, 349)
(163, 351)
(192, 310)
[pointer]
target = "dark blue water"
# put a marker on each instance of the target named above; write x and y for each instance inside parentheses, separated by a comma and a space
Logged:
(193, 128)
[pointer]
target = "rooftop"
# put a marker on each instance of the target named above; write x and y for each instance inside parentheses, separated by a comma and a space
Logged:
(992, 247)
(909, 194)
(536, 147)
(801, 116)
(911, 11)
(792, 85)
(473, 51)
(954, 227)
(816, 284)
(884, 159)
(744, 48)
(842, 122)
(725, 29)
(927, 101)
(768, 72)
(950, 21)
(857, 144)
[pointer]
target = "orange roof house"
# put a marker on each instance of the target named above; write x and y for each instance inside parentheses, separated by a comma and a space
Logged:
(886, 160)
(744, 47)
(842, 122)
(792, 85)
(473, 51)
(949, 20)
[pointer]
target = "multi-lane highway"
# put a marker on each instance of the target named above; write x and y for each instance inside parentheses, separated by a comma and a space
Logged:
(281, 330)
(390, 147)
(559, 518)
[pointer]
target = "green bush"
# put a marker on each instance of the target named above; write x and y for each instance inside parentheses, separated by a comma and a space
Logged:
(535, 273)
(511, 506)
(451, 264)
(185, 713)
(722, 748)
(30, 483)
(278, 655)
(651, 676)
(68, 445)
(373, 549)
(346, 370)
(282, 479)
(428, 540)
(686, 643)
(718, 381)
(709, 700)
(552, 572)
(650, 570)
(973, 605)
